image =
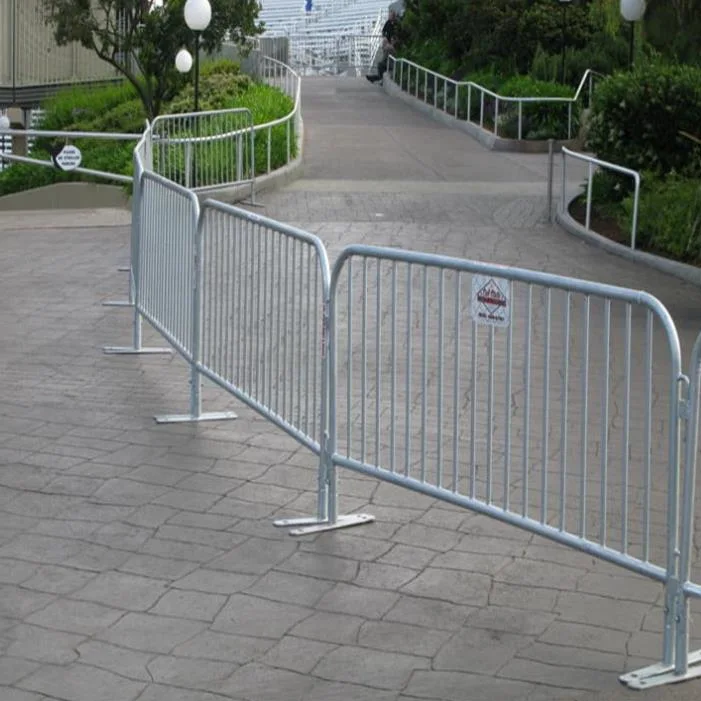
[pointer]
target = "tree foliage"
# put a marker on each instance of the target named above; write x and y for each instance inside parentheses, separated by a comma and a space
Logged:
(141, 39)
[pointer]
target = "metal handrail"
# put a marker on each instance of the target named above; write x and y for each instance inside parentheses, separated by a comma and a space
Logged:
(592, 161)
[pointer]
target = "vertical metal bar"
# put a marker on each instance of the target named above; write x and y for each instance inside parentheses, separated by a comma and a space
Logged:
(569, 120)
(407, 396)
(490, 414)
(240, 265)
(308, 334)
(456, 384)
(520, 119)
(195, 269)
(439, 461)
(564, 412)
(264, 364)
(349, 352)
(424, 371)
(590, 174)
(584, 443)
(636, 205)
(551, 175)
(507, 417)
(647, 461)
(496, 116)
(457, 100)
(687, 525)
(299, 299)
(364, 363)
(393, 371)
(481, 108)
(473, 413)
(378, 357)
(563, 191)
(605, 422)
(319, 296)
(285, 334)
(625, 463)
(546, 408)
(278, 336)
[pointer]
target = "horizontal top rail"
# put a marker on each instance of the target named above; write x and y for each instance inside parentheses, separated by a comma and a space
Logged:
(38, 133)
(585, 287)
(502, 98)
(598, 161)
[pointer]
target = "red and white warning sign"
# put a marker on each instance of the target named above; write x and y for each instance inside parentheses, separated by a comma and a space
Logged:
(491, 300)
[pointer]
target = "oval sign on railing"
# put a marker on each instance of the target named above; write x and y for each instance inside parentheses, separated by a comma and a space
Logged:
(68, 158)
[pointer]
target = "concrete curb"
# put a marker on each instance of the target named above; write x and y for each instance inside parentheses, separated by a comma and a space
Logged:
(266, 183)
(71, 195)
(486, 138)
(682, 271)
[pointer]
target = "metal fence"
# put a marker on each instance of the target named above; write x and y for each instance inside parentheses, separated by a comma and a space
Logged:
(505, 116)
(549, 403)
(206, 150)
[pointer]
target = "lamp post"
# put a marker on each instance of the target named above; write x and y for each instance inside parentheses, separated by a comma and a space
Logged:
(564, 4)
(198, 15)
(632, 11)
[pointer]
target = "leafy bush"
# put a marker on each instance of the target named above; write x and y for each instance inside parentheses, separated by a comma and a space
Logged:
(637, 116)
(116, 108)
(669, 217)
(542, 120)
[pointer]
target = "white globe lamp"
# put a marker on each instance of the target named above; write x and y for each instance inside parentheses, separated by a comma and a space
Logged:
(4, 122)
(198, 14)
(183, 61)
(632, 11)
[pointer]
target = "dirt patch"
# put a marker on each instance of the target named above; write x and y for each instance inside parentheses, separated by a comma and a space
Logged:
(600, 223)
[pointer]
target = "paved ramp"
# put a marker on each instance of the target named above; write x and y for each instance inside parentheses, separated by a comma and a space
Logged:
(138, 562)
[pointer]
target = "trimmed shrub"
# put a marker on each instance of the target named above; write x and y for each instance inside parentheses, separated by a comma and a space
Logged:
(669, 217)
(539, 120)
(116, 108)
(637, 116)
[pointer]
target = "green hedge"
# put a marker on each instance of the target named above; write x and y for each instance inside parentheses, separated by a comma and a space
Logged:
(669, 217)
(116, 108)
(637, 116)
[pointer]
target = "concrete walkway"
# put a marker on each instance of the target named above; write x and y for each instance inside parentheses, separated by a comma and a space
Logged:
(138, 562)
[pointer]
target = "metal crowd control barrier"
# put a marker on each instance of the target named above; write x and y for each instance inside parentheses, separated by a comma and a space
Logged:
(262, 287)
(549, 403)
(206, 150)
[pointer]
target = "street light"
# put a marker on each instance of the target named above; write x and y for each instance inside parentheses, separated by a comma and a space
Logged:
(632, 11)
(4, 122)
(198, 15)
(183, 61)
(564, 4)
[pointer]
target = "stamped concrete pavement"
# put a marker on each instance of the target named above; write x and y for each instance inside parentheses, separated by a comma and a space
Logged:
(139, 561)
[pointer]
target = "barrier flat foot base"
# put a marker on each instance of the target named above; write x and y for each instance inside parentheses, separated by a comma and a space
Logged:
(661, 674)
(123, 269)
(117, 303)
(188, 418)
(309, 526)
(130, 350)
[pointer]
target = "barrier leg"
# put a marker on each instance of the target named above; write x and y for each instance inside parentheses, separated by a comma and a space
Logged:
(195, 414)
(122, 302)
(136, 348)
(327, 518)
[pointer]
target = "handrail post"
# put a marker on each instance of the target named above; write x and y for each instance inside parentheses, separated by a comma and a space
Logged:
(520, 125)
(636, 204)
(551, 173)
(590, 175)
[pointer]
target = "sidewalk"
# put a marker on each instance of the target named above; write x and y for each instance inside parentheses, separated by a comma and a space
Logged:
(138, 562)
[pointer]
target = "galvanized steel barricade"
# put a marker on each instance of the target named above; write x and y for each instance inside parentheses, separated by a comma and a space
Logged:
(206, 150)
(546, 402)
(261, 305)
